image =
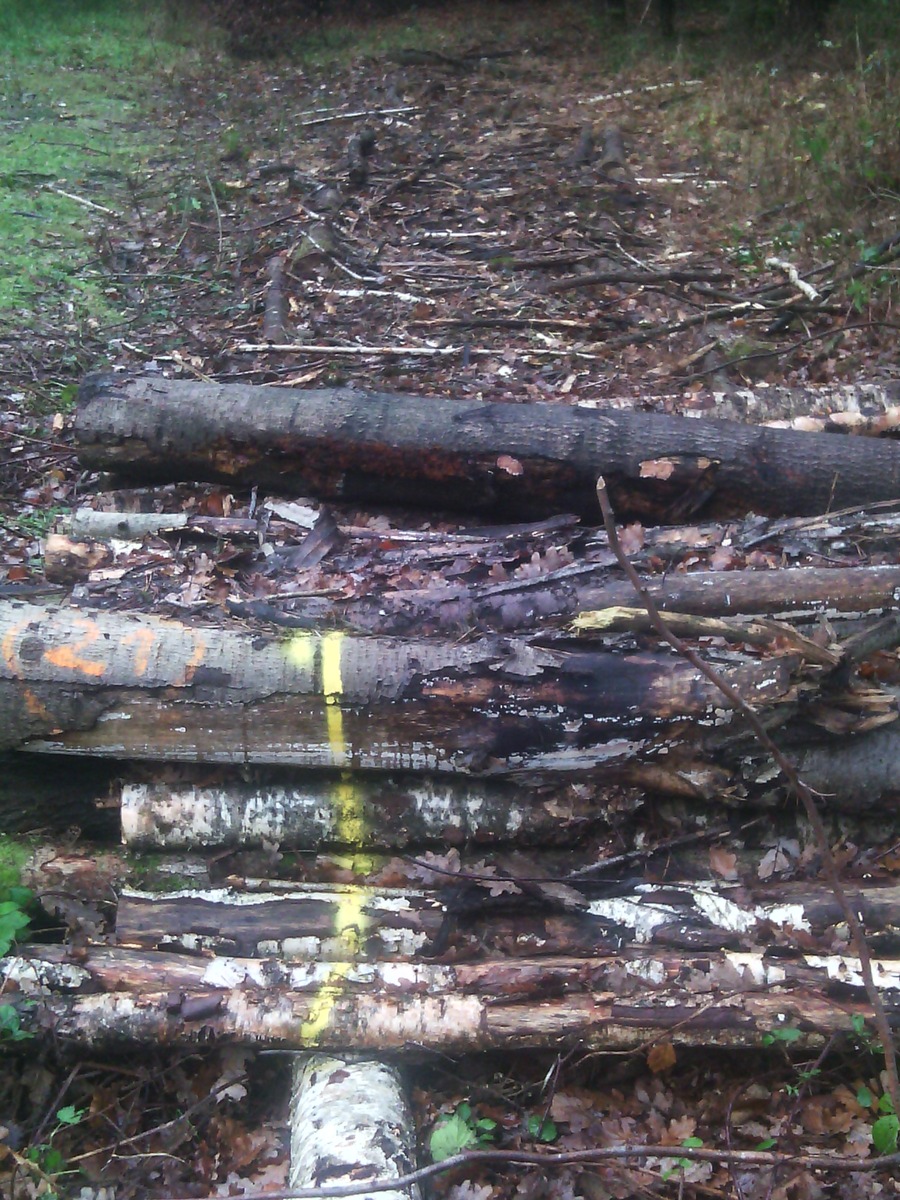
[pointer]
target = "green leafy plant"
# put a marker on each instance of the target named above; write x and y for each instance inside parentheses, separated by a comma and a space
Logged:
(13, 917)
(458, 1131)
(15, 900)
(682, 1164)
(11, 1025)
(803, 1078)
(781, 1035)
(863, 1036)
(541, 1128)
(48, 1163)
(886, 1127)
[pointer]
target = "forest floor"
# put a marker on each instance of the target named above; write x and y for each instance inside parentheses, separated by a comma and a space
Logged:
(503, 202)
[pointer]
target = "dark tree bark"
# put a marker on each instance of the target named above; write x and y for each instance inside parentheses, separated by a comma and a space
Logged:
(531, 459)
(129, 686)
(326, 922)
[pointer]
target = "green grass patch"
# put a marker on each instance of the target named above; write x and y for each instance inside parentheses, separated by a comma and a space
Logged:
(14, 853)
(74, 79)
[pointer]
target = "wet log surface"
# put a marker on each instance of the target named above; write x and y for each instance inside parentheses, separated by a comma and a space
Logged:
(539, 459)
(614, 1002)
(467, 921)
(138, 687)
(318, 778)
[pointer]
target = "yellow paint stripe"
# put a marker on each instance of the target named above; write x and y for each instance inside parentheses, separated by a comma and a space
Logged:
(324, 1001)
(332, 682)
(350, 812)
(301, 649)
(351, 922)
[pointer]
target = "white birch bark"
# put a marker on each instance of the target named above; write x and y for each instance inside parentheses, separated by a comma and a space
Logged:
(350, 1123)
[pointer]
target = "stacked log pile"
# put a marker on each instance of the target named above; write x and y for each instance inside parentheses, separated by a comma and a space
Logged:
(453, 817)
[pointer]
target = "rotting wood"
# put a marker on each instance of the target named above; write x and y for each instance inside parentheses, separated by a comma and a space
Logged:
(57, 794)
(529, 597)
(535, 459)
(275, 314)
(869, 408)
(613, 159)
(621, 1002)
(349, 1123)
(132, 686)
(321, 923)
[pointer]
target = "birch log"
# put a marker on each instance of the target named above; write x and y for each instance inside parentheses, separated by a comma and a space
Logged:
(533, 459)
(350, 1124)
(619, 1002)
(857, 408)
(321, 923)
(306, 812)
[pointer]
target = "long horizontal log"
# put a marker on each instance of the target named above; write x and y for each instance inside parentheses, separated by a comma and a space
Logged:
(856, 408)
(533, 459)
(321, 923)
(538, 600)
(304, 813)
(520, 605)
(615, 1002)
(137, 687)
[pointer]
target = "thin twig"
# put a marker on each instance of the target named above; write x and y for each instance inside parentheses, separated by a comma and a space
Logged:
(49, 187)
(405, 351)
(218, 212)
(743, 1158)
(360, 114)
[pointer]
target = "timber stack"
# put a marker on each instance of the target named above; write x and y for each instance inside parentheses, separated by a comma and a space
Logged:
(446, 789)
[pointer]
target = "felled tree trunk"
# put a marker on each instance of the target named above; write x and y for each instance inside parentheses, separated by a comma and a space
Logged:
(322, 923)
(534, 459)
(618, 1002)
(520, 605)
(130, 686)
(305, 812)
(524, 601)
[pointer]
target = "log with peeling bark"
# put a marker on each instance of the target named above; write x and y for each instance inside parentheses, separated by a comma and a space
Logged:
(350, 1123)
(619, 1002)
(325, 923)
(304, 812)
(541, 601)
(130, 686)
(858, 408)
(534, 459)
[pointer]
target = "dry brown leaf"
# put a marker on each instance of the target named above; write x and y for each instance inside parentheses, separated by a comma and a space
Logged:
(631, 538)
(657, 468)
(661, 1057)
(723, 862)
(510, 465)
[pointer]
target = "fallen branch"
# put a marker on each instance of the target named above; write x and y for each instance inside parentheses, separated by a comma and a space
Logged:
(605, 1002)
(548, 1159)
